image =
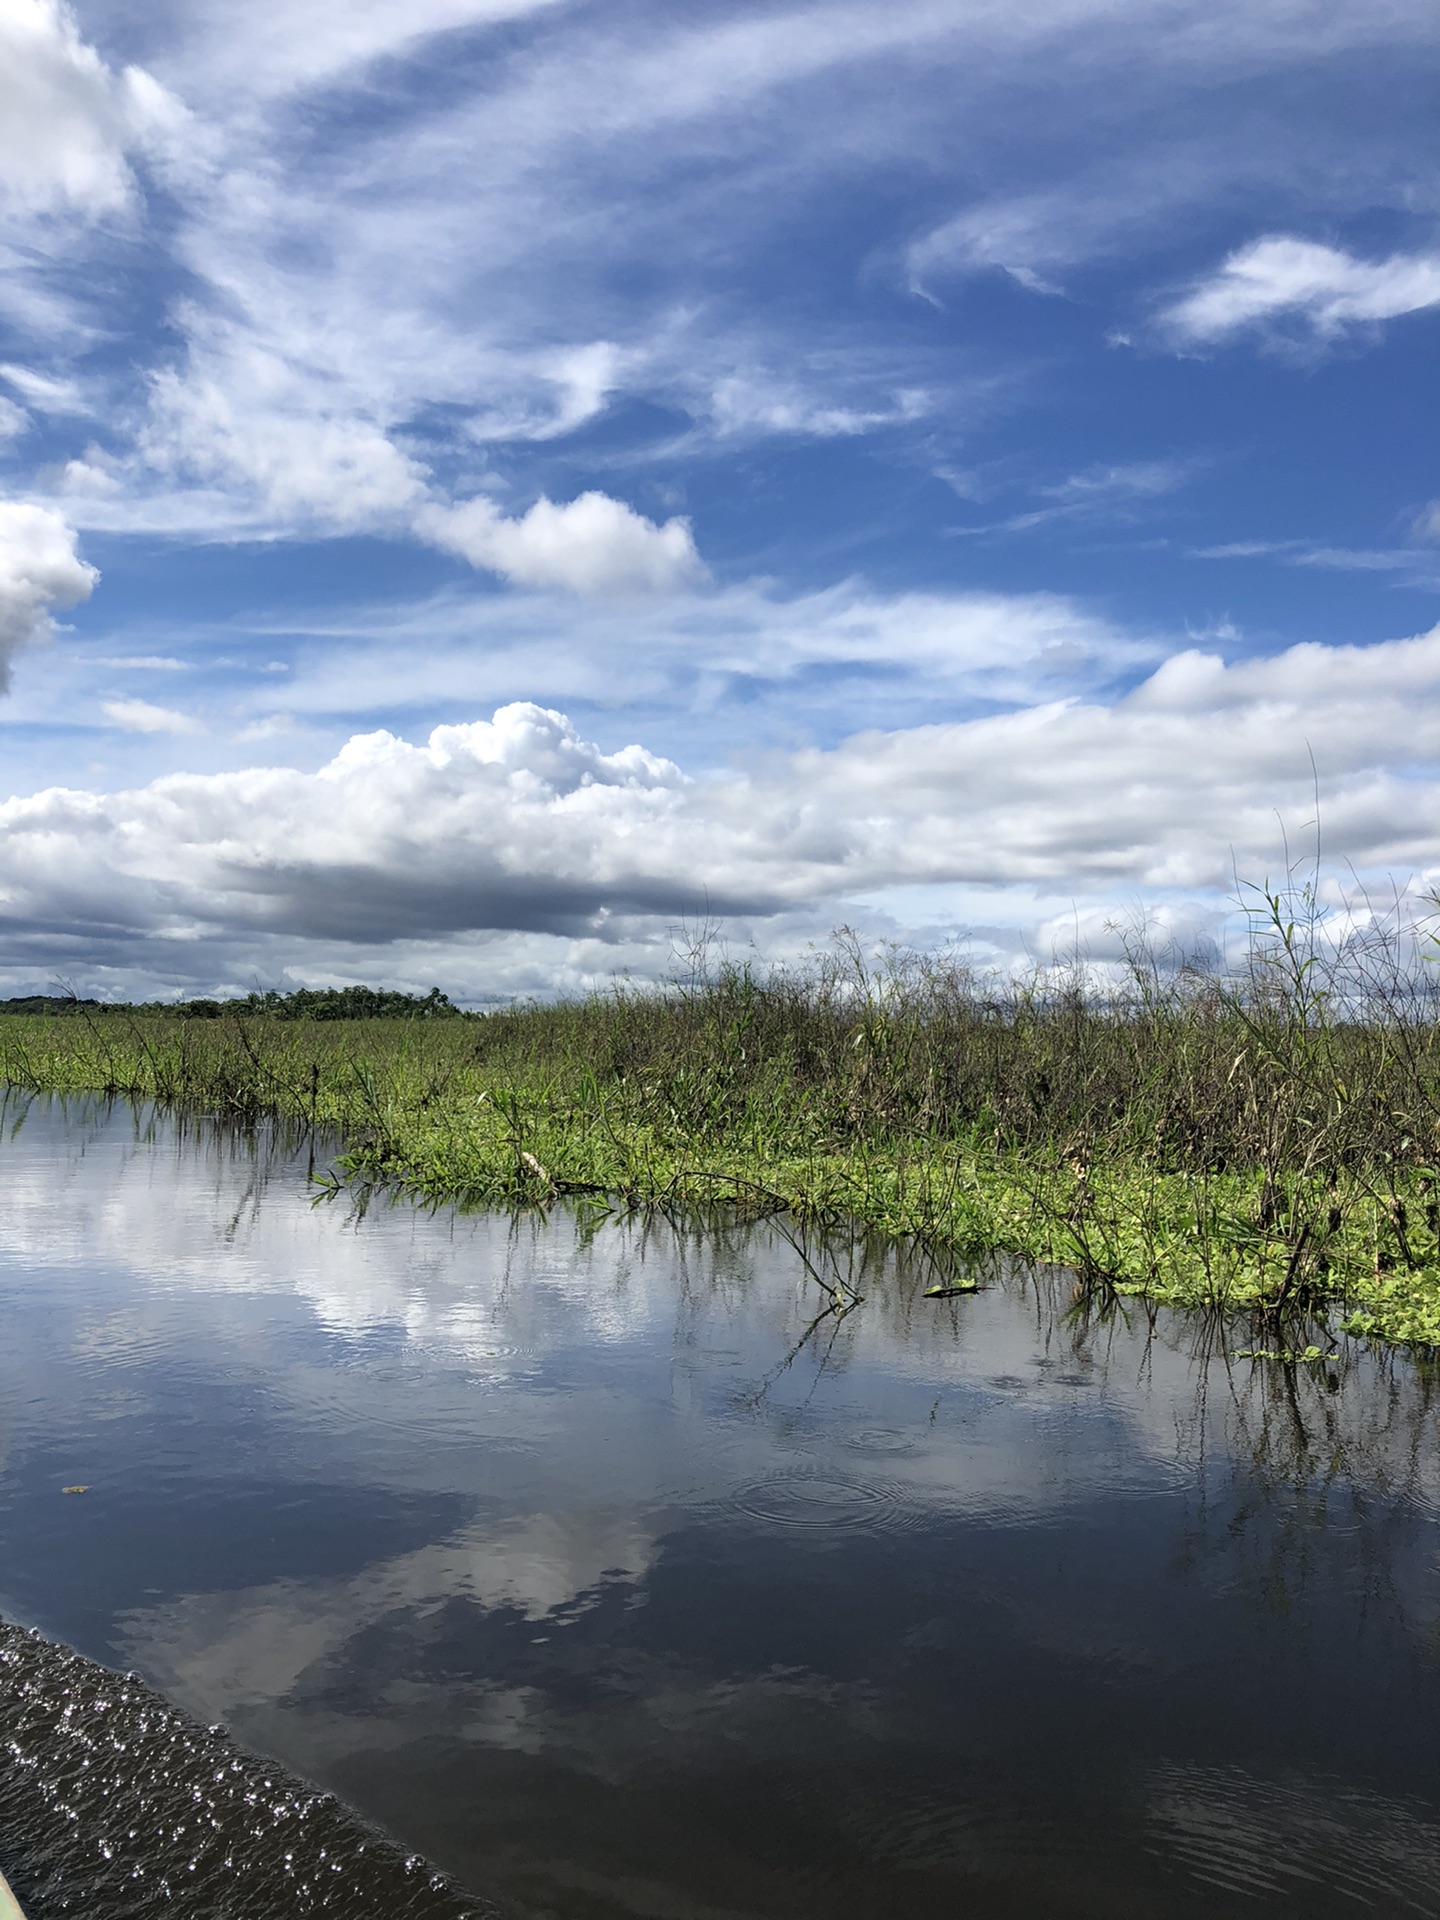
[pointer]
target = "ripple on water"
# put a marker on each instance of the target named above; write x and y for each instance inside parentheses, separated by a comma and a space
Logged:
(1252, 1837)
(113, 1803)
(881, 1440)
(816, 1501)
(399, 1400)
(932, 1832)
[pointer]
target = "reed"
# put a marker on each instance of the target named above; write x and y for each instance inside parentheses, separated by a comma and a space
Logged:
(1267, 1136)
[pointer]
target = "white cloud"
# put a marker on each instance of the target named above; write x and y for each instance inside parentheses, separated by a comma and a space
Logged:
(1099, 493)
(1013, 236)
(503, 823)
(297, 451)
(1365, 560)
(577, 385)
(66, 120)
(269, 48)
(141, 662)
(395, 251)
(1160, 789)
(456, 260)
(1413, 566)
(1129, 480)
(271, 726)
(752, 404)
(1245, 549)
(39, 569)
(1280, 277)
(591, 545)
(733, 667)
(463, 265)
(703, 675)
(44, 392)
(517, 825)
(140, 716)
(1102, 205)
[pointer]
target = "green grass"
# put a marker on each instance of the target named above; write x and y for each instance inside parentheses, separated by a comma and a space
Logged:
(1271, 1142)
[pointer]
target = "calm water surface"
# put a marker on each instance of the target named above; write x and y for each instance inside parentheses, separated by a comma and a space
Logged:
(580, 1560)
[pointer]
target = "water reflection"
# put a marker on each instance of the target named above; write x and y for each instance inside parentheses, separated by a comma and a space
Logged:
(607, 1567)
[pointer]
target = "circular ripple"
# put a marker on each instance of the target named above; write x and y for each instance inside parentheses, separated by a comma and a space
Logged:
(817, 1502)
(880, 1440)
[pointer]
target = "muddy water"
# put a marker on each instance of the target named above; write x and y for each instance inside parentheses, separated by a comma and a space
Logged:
(587, 1564)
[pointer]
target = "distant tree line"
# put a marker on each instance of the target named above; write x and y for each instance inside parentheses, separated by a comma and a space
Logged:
(305, 1003)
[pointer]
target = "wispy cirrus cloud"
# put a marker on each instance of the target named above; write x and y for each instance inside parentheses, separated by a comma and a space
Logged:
(362, 300)
(725, 671)
(268, 52)
(1097, 494)
(143, 716)
(1412, 566)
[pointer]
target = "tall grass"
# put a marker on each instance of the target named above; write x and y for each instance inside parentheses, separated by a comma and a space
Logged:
(1267, 1136)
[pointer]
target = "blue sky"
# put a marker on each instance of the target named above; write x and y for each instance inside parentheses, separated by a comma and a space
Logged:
(960, 469)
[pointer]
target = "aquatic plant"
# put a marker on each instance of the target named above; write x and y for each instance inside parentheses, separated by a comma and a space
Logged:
(1264, 1135)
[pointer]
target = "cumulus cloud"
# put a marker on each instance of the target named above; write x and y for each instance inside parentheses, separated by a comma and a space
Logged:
(1164, 787)
(518, 825)
(679, 218)
(1327, 291)
(513, 822)
(66, 120)
(263, 427)
(591, 545)
(39, 569)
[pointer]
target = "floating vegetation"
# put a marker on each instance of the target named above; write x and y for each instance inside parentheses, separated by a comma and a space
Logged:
(1266, 1137)
(1305, 1356)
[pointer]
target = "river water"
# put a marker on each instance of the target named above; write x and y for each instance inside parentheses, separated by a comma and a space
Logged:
(581, 1559)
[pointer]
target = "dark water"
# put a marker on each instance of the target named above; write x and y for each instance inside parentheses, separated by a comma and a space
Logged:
(574, 1561)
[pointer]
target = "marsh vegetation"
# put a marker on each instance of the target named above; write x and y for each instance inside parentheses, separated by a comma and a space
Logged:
(1264, 1136)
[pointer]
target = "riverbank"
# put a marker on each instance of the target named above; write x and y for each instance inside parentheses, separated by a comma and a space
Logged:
(1199, 1143)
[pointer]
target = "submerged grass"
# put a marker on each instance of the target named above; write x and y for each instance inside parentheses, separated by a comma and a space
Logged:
(1268, 1139)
